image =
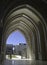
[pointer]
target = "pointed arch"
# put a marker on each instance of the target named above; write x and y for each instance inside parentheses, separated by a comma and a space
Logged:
(32, 24)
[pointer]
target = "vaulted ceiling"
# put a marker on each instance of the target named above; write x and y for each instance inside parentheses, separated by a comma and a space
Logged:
(36, 28)
(7, 5)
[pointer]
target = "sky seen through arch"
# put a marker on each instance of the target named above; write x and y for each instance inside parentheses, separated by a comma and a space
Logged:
(15, 38)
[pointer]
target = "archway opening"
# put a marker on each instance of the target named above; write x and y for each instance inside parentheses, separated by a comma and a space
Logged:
(16, 46)
(32, 24)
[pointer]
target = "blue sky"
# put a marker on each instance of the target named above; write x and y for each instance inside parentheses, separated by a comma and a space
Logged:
(15, 38)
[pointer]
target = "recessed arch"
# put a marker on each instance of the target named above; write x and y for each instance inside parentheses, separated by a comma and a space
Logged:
(27, 19)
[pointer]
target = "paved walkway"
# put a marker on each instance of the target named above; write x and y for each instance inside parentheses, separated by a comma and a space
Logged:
(24, 62)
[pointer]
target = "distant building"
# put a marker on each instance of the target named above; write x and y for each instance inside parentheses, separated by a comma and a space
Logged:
(9, 49)
(21, 49)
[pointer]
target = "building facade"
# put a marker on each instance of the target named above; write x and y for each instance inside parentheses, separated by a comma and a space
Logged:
(21, 49)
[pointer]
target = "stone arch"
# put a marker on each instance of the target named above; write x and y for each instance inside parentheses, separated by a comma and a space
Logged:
(26, 18)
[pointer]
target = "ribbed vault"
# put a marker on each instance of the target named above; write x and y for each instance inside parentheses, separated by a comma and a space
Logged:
(26, 19)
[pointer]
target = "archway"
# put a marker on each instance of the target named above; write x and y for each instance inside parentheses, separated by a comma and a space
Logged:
(32, 24)
(17, 46)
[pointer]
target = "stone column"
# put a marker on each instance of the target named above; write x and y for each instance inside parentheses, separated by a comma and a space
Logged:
(42, 43)
(0, 45)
